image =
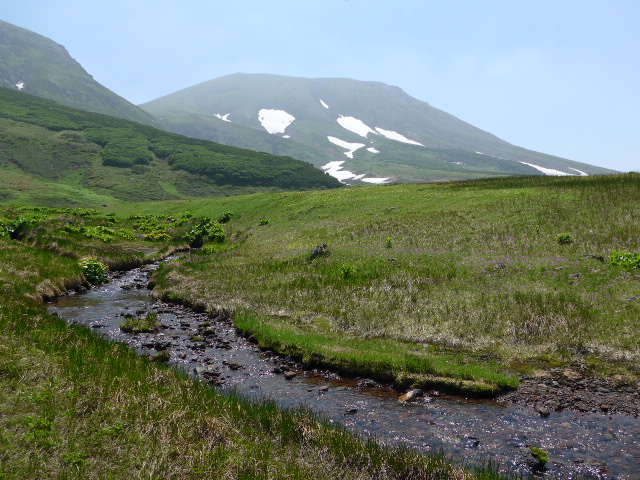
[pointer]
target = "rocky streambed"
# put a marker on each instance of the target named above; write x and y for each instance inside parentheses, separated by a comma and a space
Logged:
(586, 428)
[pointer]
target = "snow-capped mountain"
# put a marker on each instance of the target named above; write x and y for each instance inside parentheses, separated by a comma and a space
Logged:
(355, 131)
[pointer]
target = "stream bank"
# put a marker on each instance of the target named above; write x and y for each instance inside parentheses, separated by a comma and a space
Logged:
(597, 445)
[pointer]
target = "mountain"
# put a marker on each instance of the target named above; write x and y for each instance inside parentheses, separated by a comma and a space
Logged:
(356, 131)
(34, 64)
(56, 155)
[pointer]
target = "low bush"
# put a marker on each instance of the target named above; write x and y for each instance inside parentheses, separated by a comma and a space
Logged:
(94, 271)
(625, 259)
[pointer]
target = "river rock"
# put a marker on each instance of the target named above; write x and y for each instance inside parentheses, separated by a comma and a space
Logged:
(367, 383)
(411, 395)
(527, 457)
(542, 411)
(290, 375)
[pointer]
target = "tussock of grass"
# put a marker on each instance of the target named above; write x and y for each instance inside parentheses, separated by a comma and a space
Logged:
(147, 324)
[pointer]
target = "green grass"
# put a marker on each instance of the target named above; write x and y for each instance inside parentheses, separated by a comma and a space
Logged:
(147, 324)
(475, 271)
(75, 405)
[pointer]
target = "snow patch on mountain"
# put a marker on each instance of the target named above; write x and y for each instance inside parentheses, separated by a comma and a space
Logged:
(355, 125)
(373, 150)
(350, 147)
(275, 121)
(375, 180)
(324, 104)
(548, 171)
(224, 117)
(390, 134)
(335, 170)
(20, 85)
(582, 174)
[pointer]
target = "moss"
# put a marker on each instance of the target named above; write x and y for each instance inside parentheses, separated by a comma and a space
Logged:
(541, 455)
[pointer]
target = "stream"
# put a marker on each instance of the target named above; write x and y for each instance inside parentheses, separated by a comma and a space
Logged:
(471, 431)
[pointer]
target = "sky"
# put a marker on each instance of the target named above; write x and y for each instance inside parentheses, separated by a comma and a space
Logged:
(556, 76)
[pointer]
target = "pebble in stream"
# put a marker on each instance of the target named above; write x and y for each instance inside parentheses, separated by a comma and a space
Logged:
(597, 445)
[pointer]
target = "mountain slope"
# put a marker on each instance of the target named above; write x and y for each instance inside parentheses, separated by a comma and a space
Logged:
(34, 64)
(357, 131)
(51, 154)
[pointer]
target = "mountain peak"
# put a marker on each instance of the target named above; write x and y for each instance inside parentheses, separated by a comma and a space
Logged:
(354, 130)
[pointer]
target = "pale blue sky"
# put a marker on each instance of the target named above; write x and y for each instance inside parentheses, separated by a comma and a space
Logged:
(559, 76)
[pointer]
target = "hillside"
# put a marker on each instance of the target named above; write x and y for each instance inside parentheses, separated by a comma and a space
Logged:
(37, 65)
(356, 131)
(56, 155)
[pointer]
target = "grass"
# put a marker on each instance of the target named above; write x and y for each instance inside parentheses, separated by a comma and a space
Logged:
(475, 271)
(147, 324)
(75, 405)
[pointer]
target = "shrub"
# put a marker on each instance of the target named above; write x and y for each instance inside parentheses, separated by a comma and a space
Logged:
(564, 238)
(225, 217)
(94, 271)
(265, 221)
(347, 270)
(389, 243)
(625, 259)
(205, 229)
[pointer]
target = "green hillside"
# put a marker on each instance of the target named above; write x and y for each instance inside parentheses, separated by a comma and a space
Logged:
(45, 69)
(51, 154)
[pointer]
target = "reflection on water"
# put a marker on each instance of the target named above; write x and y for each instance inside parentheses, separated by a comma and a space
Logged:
(475, 431)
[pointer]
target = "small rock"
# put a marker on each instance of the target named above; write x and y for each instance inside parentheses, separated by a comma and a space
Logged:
(542, 411)
(290, 375)
(367, 383)
(159, 346)
(352, 411)
(411, 395)
(324, 388)
(320, 250)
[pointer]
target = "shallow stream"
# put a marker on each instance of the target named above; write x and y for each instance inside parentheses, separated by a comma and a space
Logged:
(594, 445)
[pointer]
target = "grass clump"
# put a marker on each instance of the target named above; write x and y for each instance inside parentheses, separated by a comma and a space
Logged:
(146, 324)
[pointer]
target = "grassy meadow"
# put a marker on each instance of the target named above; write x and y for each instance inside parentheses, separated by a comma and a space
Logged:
(76, 406)
(457, 286)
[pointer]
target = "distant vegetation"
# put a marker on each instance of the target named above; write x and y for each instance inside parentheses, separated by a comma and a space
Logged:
(53, 155)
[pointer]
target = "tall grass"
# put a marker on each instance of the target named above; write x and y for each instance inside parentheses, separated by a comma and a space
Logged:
(474, 267)
(76, 406)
